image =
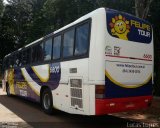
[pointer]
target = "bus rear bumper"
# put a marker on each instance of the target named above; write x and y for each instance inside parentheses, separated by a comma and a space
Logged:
(106, 106)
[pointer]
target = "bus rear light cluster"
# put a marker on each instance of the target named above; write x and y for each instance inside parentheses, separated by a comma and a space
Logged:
(100, 91)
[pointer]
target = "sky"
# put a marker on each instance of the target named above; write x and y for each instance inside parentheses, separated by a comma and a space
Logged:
(5, 1)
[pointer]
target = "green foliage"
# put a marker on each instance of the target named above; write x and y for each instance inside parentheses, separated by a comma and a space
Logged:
(38, 23)
(27, 20)
(59, 13)
(1, 7)
(15, 25)
(154, 18)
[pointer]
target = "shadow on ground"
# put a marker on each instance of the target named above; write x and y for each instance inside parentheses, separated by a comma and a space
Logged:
(32, 114)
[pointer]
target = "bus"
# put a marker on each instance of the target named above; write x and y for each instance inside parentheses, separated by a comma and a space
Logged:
(101, 63)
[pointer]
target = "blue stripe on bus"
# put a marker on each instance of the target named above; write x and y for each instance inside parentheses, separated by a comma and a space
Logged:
(115, 91)
(18, 77)
(53, 81)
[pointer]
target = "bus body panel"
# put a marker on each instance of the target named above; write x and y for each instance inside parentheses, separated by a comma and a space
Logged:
(97, 43)
(128, 64)
(71, 96)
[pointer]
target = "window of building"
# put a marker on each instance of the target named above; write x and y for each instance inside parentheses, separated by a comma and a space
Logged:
(68, 43)
(57, 47)
(82, 39)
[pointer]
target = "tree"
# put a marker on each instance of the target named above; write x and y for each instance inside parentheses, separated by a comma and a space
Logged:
(59, 13)
(38, 23)
(14, 26)
(18, 13)
(154, 19)
(1, 7)
(142, 8)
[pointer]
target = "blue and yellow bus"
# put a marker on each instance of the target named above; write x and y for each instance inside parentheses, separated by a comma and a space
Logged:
(101, 63)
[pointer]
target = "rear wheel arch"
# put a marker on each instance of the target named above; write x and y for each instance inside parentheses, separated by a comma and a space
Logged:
(41, 91)
(7, 86)
(46, 99)
(8, 89)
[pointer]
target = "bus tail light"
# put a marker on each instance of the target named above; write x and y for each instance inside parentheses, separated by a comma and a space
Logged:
(100, 91)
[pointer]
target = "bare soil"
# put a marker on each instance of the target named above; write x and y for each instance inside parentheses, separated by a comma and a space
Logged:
(151, 114)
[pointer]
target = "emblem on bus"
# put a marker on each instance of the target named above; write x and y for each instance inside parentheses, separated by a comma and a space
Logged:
(120, 27)
(117, 51)
(108, 50)
(54, 69)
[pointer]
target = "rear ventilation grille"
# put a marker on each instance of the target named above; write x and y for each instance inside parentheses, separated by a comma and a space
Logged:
(76, 83)
(76, 93)
(76, 102)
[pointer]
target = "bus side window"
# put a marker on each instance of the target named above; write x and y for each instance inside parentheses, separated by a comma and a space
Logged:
(26, 56)
(11, 61)
(56, 47)
(37, 53)
(40, 55)
(33, 54)
(18, 59)
(68, 43)
(47, 52)
(82, 39)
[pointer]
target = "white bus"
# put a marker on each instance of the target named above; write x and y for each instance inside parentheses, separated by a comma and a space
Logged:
(101, 63)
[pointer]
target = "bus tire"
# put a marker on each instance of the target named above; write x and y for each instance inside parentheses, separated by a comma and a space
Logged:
(8, 90)
(47, 102)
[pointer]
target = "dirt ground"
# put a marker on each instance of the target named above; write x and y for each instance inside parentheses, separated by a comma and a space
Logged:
(150, 115)
(29, 113)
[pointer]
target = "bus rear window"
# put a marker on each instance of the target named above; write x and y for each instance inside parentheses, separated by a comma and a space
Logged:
(127, 27)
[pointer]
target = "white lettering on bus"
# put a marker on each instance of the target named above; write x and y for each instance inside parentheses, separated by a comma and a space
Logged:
(144, 33)
(54, 69)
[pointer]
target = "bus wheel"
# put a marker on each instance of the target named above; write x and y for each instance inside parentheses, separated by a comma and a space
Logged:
(47, 103)
(8, 90)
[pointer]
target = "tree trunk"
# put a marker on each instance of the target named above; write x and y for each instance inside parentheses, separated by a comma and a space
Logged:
(142, 8)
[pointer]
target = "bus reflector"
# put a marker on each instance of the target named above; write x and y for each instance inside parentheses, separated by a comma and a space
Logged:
(112, 104)
(100, 91)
